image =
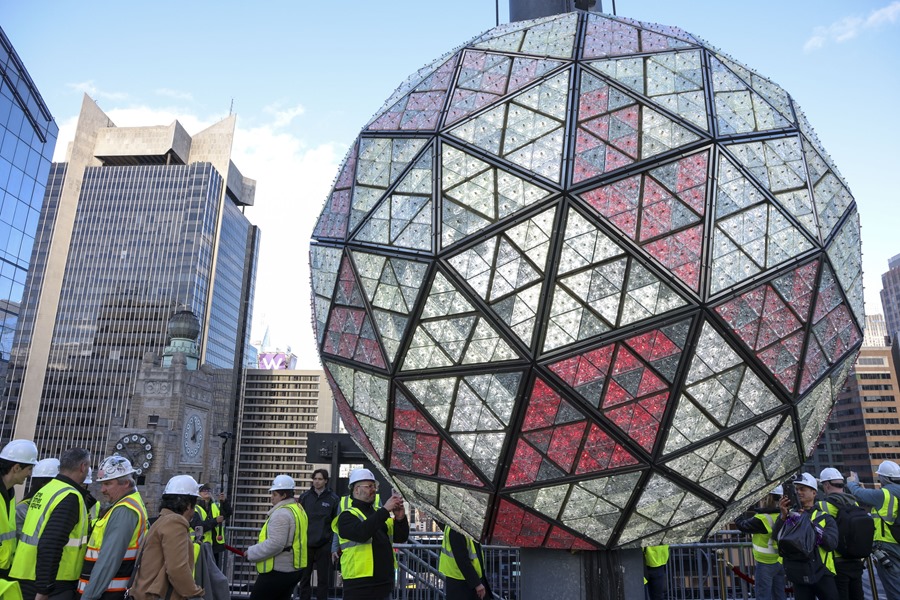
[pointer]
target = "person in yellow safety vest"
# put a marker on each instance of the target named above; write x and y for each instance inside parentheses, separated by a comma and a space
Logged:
(9, 590)
(769, 574)
(655, 560)
(814, 580)
(280, 554)
(366, 536)
(343, 504)
(54, 537)
(93, 506)
(17, 459)
(166, 565)
(462, 564)
(211, 516)
(884, 503)
(848, 572)
(115, 542)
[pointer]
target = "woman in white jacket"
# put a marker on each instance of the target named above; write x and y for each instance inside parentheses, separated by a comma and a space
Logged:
(280, 555)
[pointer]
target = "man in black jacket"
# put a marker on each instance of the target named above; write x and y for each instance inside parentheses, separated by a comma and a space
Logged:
(321, 506)
(367, 536)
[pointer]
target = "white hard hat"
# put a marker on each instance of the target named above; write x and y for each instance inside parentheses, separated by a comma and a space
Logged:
(830, 474)
(49, 467)
(20, 451)
(778, 491)
(88, 478)
(282, 482)
(888, 468)
(361, 475)
(113, 467)
(807, 480)
(183, 485)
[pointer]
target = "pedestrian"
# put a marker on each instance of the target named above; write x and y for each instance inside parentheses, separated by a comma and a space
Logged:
(54, 536)
(884, 502)
(462, 564)
(655, 560)
(212, 516)
(280, 554)
(769, 573)
(166, 560)
(17, 460)
(321, 506)
(813, 579)
(117, 536)
(366, 537)
(848, 572)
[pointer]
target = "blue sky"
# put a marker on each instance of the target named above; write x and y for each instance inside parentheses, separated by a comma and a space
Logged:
(304, 77)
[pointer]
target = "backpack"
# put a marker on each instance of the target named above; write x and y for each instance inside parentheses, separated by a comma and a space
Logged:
(856, 531)
(797, 546)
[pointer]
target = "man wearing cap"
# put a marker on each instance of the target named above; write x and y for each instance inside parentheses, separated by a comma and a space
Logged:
(117, 535)
(211, 516)
(769, 573)
(51, 549)
(17, 459)
(366, 537)
(819, 582)
(280, 555)
(884, 502)
(848, 571)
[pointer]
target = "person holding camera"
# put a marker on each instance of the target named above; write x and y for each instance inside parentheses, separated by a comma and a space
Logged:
(884, 502)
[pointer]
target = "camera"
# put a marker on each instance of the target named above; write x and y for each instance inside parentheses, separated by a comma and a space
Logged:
(883, 558)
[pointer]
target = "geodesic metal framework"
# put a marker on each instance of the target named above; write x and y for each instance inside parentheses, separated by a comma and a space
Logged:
(585, 283)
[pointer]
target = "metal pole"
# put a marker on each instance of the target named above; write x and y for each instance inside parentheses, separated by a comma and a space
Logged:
(720, 569)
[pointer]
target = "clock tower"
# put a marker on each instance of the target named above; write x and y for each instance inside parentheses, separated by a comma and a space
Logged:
(177, 402)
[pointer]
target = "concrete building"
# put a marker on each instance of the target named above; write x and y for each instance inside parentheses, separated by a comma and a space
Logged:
(864, 428)
(138, 224)
(279, 407)
(890, 296)
(27, 140)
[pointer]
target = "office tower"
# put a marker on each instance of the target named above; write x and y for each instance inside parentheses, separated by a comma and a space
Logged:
(864, 428)
(890, 296)
(27, 139)
(279, 407)
(139, 223)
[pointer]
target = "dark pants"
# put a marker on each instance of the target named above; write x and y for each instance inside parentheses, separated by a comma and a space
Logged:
(458, 589)
(656, 582)
(66, 590)
(848, 579)
(319, 559)
(275, 585)
(823, 589)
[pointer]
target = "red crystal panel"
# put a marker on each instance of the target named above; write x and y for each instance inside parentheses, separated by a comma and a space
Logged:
(350, 334)
(605, 37)
(601, 452)
(560, 539)
(641, 419)
(783, 359)
(517, 527)
(680, 253)
(336, 214)
(525, 465)
(797, 286)
(618, 202)
(421, 108)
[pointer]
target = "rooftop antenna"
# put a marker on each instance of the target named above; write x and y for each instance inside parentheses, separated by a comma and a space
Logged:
(231, 108)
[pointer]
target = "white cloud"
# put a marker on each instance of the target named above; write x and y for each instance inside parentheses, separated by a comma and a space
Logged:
(96, 93)
(284, 116)
(849, 28)
(175, 94)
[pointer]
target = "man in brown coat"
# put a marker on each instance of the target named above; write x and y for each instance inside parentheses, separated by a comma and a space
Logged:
(167, 559)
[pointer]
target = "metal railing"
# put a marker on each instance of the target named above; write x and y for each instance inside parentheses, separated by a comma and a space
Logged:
(710, 570)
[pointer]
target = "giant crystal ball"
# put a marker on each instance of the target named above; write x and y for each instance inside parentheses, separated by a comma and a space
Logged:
(587, 283)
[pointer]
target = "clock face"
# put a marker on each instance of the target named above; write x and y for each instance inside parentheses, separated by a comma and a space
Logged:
(138, 449)
(192, 436)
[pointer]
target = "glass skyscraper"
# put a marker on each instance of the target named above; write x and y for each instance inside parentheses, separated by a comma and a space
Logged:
(27, 140)
(139, 223)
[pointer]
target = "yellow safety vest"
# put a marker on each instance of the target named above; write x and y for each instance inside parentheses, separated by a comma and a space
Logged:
(765, 547)
(656, 556)
(345, 503)
(886, 513)
(7, 531)
(298, 547)
(43, 503)
(219, 529)
(448, 564)
(119, 582)
(827, 556)
(357, 559)
(10, 590)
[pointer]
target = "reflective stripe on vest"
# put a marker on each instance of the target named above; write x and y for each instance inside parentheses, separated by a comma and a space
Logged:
(119, 582)
(818, 517)
(886, 514)
(42, 505)
(448, 565)
(357, 559)
(7, 531)
(298, 545)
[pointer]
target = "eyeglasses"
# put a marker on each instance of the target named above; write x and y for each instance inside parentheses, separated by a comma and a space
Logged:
(368, 486)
